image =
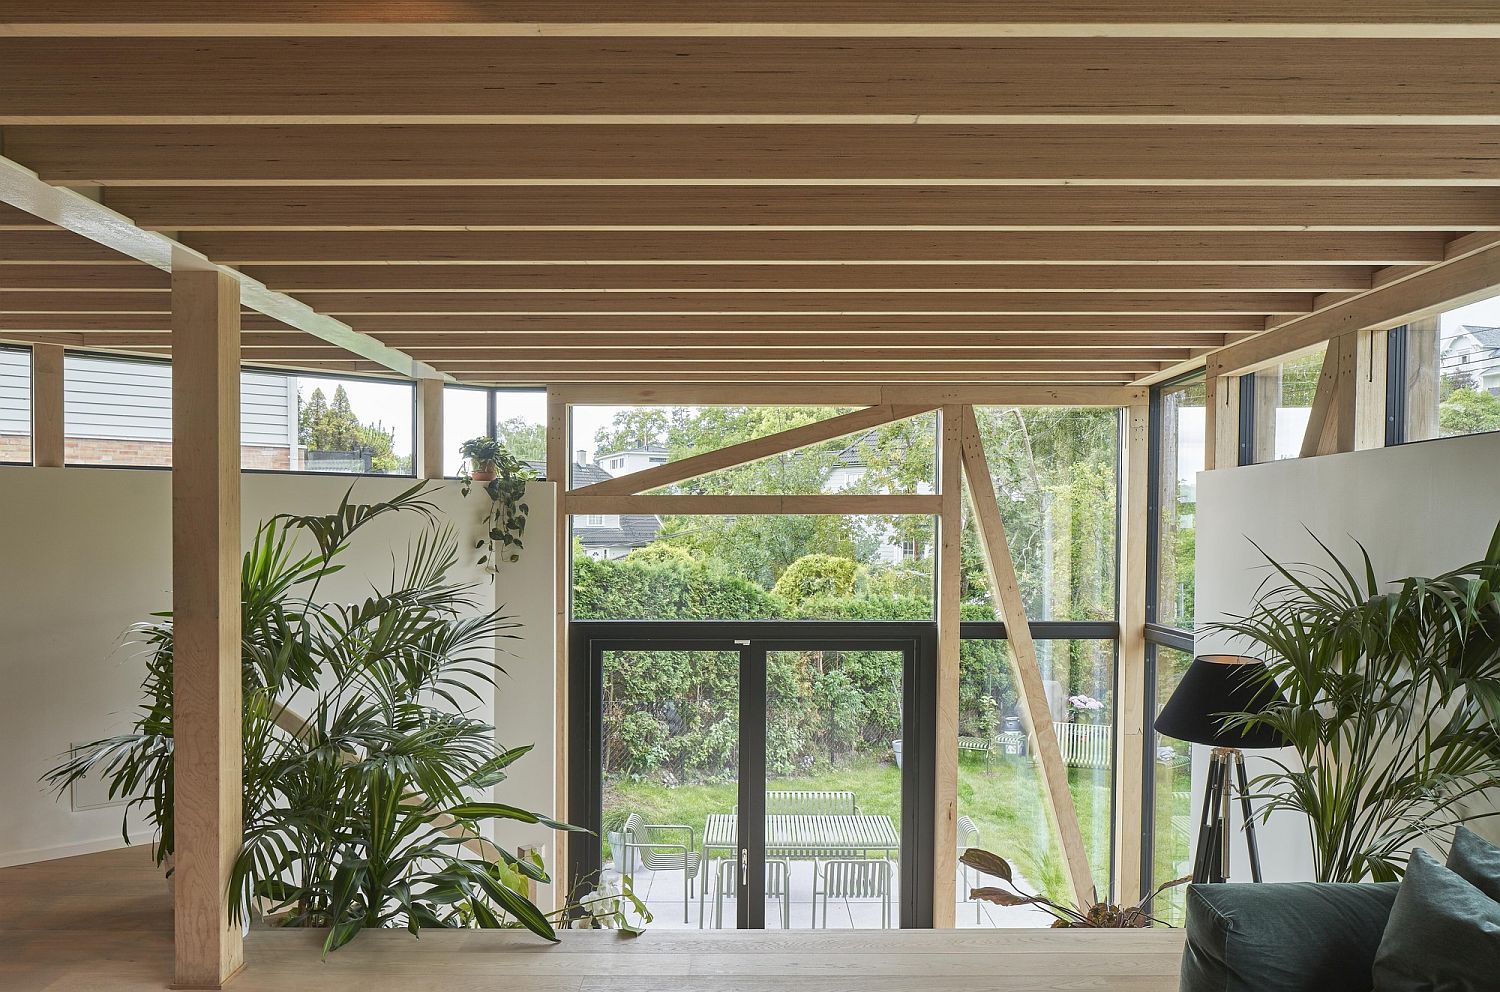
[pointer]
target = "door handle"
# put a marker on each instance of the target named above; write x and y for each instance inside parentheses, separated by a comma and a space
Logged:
(744, 867)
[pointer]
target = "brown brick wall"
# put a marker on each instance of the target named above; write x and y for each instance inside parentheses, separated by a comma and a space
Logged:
(110, 451)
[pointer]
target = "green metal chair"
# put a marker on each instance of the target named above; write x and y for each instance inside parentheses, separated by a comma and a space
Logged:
(642, 847)
(968, 836)
(853, 878)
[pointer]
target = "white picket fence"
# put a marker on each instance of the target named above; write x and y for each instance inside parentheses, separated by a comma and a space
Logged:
(1085, 745)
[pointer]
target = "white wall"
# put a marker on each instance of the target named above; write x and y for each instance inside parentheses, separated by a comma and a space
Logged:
(1419, 509)
(84, 553)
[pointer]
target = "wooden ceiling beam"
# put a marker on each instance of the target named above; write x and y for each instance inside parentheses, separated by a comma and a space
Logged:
(507, 208)
(1021, 357)
(709, 80)
(1050, 155)
(773, 18)
(1375, 248)
(789, 304)
(783, 278)
(833, 372)
(83, 278)
(767, 303)
(798, 341)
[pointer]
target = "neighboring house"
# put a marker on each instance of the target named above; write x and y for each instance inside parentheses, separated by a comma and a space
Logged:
(613, 535)
(850, 468)
(1474, 351)
(630, 460)
(120, 412)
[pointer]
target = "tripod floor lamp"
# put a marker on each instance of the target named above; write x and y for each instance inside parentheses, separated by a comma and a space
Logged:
(1215, 685)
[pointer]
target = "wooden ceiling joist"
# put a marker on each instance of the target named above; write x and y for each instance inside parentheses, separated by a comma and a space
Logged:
(1369, 248)
(794, 154)
(506, 208)
(775, 18)
(784, 278)
(670, 80)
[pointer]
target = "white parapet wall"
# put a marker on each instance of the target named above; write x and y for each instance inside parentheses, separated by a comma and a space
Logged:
(1419, 509)
(84, 553)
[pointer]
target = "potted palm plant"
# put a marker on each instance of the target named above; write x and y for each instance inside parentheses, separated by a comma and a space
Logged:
(1390, 699)
(365, 809)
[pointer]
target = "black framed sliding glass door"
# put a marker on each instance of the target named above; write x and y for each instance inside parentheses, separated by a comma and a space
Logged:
(759, 774)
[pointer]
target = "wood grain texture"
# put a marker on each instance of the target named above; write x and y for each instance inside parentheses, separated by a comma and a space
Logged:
(1131, 717)
(206, 620)
(104, 921)
(252, 248)
(928, 207)
(429, 446)
(857, 154)
(47, 446)
(949, 642)
(501, 80)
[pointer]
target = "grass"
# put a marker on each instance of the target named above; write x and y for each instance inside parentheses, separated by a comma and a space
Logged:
(1005, 803)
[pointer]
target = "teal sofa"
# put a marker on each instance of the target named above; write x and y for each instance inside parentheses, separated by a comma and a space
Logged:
(1284, 936)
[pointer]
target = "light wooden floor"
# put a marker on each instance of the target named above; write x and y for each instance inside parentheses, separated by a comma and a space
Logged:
(104, 922)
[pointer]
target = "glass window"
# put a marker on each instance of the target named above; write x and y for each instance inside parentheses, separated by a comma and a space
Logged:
(1180, 452)
(355, 426)
(521, 424)
(1055, 472)
(1453, 372)
(464, 411)
(891, 458)
(117, 411)
(1001, 803)
(1283, 399)
(645, 567)
(15, 406)
(1171, 766)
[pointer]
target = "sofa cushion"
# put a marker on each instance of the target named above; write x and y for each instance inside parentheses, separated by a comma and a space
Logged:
(1477, 861)
(1443, 934)
(1283, 936)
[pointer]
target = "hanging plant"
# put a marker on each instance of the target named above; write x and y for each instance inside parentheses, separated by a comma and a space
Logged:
(503, 477)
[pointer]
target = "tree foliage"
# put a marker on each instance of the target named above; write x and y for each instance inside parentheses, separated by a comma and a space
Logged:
(325, 426)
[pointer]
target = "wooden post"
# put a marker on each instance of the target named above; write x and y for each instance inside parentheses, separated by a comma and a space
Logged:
(1423, 382)
(559, 464)
(1221, 423)
(945, 781)
(1028, 674)
(429, 428)
(1267, 403)
(1370, 390)
(47, 444)
(1130, 693)
(206, 620)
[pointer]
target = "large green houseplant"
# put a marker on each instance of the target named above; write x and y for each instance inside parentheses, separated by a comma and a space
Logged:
(362, 812)
(1390, 701)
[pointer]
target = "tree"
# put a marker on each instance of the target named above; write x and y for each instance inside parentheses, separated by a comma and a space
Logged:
(526, 441)
(1468, 411)
(325, 426)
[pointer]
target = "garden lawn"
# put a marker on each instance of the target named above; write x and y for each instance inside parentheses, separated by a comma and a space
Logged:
(1006, 805)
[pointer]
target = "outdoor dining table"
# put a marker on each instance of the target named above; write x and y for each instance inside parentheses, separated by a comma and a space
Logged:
(819, 835)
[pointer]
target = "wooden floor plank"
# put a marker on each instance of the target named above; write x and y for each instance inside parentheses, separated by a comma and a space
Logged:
(104, 922)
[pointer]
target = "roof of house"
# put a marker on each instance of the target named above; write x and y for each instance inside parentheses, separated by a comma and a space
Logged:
(1485, 337)
(636, 530)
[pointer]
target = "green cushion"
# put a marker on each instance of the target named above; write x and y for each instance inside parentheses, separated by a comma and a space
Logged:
(1443, 934)
(1283, 936)
(1477, 861)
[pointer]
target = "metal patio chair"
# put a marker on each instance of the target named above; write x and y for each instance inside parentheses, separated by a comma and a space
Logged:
(778, 886)
(853, 878)
(968, 836)
(642, 847)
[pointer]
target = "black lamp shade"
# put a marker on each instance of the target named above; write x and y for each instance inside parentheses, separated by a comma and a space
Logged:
(1214, 685)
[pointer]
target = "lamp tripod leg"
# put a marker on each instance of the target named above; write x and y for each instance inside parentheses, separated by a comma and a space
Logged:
(1210, 825)
(1249, 815)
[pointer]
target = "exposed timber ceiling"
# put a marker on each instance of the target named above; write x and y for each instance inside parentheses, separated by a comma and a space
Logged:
(1068, 191)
